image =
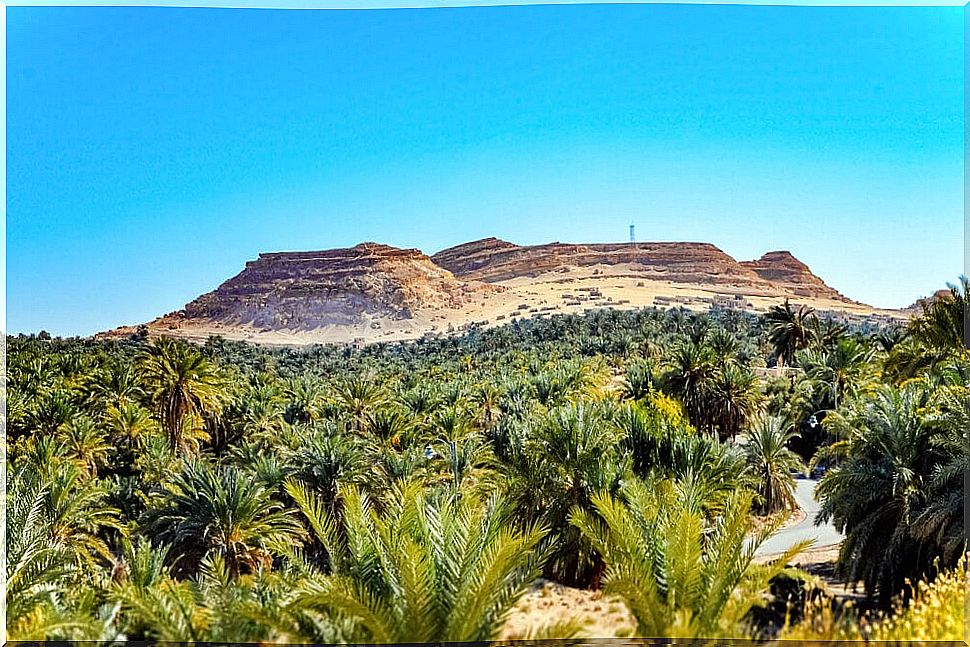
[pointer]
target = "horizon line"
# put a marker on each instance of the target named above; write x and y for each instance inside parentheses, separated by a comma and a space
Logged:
(370, 5)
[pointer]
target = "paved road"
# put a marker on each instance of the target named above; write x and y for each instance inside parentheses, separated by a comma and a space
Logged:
(824, 535)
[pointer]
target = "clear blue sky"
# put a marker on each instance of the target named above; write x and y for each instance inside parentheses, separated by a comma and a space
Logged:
(152, 152)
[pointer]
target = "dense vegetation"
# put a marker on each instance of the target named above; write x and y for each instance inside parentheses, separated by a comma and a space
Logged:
(412, 492)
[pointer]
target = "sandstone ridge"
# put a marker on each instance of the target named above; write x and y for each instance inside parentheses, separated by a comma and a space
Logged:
(375, 292)
(494, 260)
(338, 287)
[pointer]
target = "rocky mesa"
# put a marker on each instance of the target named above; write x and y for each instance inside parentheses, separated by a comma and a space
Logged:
(373, 292)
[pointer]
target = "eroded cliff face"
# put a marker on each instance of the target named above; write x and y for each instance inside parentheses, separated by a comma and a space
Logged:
(373, 291)
(493, 260)
(785, 271)
(307, 290)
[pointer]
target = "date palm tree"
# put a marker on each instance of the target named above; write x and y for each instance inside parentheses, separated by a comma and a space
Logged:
(118, 384)
(827, 333)
(128, 424)
(424, 570)
(838, 371)
(329, 460)
(558, 463)
(789, 330)
(219, 511)
(39, 570)
(640, 380)
(183, 384)
(935, 337)
(772, 463)
(87, 444)
(733, 397)
(680, 574)
(359, 396)
(941, 523)
(486, 398)
(692, 367)
(887, 456)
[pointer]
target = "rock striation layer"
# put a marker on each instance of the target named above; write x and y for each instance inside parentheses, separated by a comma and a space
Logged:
(775, 273)
(308, 290)
(377, 292)
(784, 270)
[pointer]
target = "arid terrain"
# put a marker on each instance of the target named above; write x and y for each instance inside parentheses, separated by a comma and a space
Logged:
(373, 292)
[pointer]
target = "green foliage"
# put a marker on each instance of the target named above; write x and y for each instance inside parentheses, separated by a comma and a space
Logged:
(423, 570)
(412, 491)
(891, 456)
(789, 331)
(772, 463)
(184, 387)
(208, 511)
(682, 574)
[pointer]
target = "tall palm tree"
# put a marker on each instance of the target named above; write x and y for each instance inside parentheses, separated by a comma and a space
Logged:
(463, 458)
(424, 570)
(420, 402)
(329, 460)
(128, 424)
(359, 395)
(219, 511)
(941, 523)
(558, 463)
(76, 511)
(388, 425)
(839, 370)
(183, 385)
(772, 463)
(118, 384)
(827, 333)
(487, 398)
(789, 330)
(939, 334)
(39, 570)
(733, 396)
(942, 324)
(713, 470)
(681, 575)
(87, 444)
(887, 455)
(692, 367)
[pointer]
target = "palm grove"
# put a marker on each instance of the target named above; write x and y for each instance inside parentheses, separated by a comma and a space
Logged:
(413, 492)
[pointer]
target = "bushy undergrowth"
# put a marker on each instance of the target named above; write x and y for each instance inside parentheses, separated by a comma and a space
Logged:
(933, 609)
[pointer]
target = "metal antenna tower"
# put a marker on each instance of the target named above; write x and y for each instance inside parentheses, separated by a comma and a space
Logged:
(632, 237)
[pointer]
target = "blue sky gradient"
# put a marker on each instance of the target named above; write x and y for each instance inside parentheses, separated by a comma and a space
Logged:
(152, 152)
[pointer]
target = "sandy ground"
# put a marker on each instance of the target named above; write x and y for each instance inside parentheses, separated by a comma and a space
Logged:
(548, 603)
(567, 290)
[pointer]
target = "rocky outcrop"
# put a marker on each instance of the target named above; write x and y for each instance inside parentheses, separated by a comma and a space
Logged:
(785, 271)
(307, 290)
(775, 273)
(494, 260)
(922, 304)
